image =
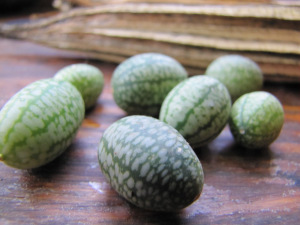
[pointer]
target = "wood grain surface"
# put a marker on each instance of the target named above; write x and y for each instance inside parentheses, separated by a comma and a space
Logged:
(241, 187)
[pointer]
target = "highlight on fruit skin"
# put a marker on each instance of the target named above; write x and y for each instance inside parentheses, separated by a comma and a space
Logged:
(88, 80)
(39, 122)
(198, 108)
(256, 119)
(239, 74)
(150, 164)
(141, 82)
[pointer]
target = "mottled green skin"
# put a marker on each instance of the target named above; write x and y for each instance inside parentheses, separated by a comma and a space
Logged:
(39, 122)
(86, 78)
(150, 164)
(239, 74)
(198, 108)
(141, 82)
(256, 119)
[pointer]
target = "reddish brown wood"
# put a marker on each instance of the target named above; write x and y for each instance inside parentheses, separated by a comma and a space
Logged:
(241, 187)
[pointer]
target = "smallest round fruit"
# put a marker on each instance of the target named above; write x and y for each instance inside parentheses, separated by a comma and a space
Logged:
(88, 80)
(256, 119)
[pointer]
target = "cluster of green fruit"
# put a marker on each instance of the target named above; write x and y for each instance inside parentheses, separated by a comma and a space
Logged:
(139, 154)
(149, 161)
(199, 107)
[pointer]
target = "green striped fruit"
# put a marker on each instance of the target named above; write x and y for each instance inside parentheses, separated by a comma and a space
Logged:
(198, 108)
(239, 74)
(39, 122)
(150, 164)
(141, 82)
(256, 119)
(86, 78)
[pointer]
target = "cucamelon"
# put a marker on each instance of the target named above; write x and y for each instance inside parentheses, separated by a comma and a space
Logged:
(141, 82)
(198, 108)
(39, 122)
(239, 74)
(150, 164)
(86, 78)
(256, 119)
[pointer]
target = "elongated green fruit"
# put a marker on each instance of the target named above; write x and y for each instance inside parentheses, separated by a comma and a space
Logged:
(39, 122)
(198, 108)
(239, 74)
(256, 119)
(141, 82)
(150, 164)
(86, 78)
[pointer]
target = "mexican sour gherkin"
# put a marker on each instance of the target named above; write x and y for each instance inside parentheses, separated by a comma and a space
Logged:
(88, 80)
(150, 164)
(198, 108)
(141, 82)
(239, 74)
(39, 122)
(256, 119)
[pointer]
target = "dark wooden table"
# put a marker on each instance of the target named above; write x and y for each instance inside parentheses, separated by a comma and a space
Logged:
(241, 187)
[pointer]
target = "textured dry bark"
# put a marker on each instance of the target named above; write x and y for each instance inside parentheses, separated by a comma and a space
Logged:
(59, 3)
(195, 34)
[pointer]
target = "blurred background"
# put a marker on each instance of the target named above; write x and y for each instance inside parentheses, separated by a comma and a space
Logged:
(193, 32)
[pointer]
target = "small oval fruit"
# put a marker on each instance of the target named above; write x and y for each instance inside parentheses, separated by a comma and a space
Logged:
(239, 74)
(150, 164)
(141, 82)
(39, 122)
(198, 108)
(86, 78)
(256, 119)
